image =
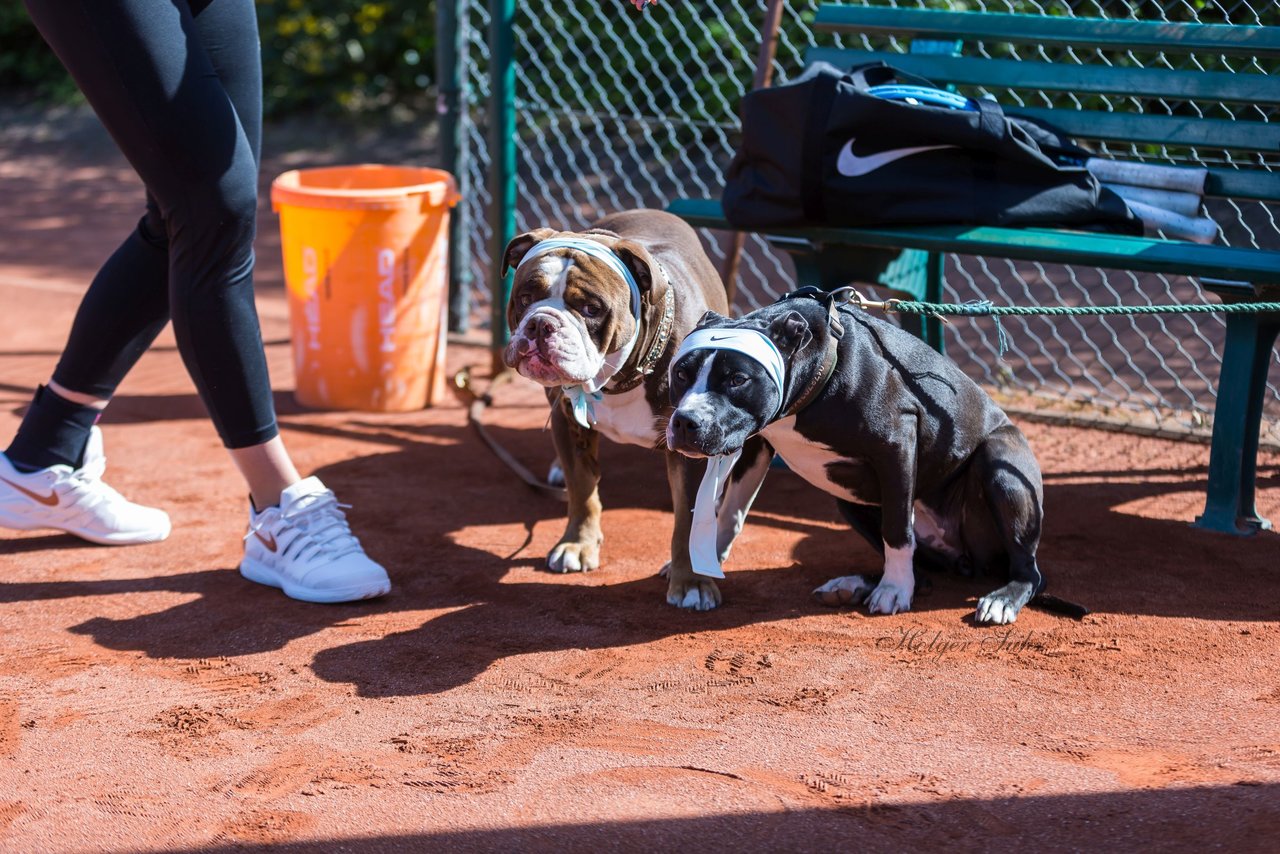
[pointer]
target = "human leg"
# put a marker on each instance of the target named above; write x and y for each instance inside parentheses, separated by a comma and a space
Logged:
(178, 86)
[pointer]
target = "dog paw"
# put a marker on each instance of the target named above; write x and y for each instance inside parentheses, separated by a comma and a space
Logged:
(995, 611)
(845, 590)
(697, 594)
(1001, 607)
(555, 475)
(889, 599)
(569, 556)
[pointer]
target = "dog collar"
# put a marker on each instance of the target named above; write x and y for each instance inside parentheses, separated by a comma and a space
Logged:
(820, 379)
(835, 329)
(660, 340)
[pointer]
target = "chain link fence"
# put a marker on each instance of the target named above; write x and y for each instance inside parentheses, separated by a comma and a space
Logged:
(618, 110)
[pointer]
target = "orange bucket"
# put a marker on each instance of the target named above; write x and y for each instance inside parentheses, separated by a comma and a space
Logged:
(366, 266)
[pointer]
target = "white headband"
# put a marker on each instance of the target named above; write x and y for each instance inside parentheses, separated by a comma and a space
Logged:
(595, 250)
(750, 342)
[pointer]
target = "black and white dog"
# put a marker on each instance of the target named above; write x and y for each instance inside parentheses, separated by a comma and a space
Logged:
(920, 459)
(595, 317)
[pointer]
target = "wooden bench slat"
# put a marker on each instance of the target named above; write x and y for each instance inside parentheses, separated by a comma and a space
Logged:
(1067, 77)
(1051, 30)
(1028, 244)
(1243, 184)
(1215, 134)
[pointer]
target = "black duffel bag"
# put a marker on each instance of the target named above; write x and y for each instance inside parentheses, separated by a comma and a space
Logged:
(824, 151)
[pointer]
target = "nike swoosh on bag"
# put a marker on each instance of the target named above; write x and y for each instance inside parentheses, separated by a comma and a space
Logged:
(851, 165)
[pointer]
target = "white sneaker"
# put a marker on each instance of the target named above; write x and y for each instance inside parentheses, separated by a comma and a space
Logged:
(77, 501)
(306, 548)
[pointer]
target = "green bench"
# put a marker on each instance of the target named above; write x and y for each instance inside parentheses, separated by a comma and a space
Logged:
(829, 257)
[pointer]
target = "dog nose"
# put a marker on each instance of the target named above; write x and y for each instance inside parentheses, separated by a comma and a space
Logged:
(683, 427)
(538, 327)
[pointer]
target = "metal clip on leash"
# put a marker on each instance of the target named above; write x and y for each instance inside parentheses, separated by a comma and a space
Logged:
(889, 306)
(853, 296)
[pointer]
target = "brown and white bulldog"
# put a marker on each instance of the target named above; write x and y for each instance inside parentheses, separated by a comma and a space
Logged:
(596, 317)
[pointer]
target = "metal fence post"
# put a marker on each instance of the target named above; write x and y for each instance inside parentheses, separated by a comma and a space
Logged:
(502, 170)
(453, 107)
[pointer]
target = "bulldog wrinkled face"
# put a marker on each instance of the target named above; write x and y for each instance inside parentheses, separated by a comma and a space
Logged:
(566, 315)
(721, 399)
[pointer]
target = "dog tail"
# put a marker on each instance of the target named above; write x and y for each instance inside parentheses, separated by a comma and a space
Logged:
(1056, 605)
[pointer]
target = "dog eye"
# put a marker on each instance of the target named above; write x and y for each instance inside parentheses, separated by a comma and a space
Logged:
(682, 375)
(737, 380)
(525, 299)
(591, 309)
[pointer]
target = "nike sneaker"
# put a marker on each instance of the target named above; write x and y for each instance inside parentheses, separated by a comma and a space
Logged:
(77, 501)
(305, 547)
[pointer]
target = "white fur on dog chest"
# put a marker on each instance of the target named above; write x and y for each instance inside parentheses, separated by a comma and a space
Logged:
(628, 418)
(805, 458)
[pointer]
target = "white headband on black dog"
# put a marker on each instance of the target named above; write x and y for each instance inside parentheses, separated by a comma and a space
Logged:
(757, 346)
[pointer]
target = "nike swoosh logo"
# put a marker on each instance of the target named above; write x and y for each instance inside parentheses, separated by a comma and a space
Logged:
(50, 500)
(268, 541)
(719, 337)
(852, 166)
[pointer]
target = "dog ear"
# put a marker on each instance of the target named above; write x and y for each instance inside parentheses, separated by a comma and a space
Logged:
(711, 318)
(638, 260)
(520, 246)
(790, 332)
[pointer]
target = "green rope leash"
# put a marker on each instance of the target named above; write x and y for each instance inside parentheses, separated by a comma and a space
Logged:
(985, 308)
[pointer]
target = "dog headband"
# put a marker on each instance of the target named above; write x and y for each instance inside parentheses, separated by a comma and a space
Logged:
(595, 250)
(583, 397)
(752, 343)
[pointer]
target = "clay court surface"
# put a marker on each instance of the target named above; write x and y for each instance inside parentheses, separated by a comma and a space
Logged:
(151, 699)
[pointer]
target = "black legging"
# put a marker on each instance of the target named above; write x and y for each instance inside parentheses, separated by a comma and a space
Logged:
(179, 87)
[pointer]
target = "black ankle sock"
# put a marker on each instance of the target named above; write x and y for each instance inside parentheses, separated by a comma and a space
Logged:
(53, 432)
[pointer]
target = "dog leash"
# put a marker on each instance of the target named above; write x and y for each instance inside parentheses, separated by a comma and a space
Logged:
(476, 404)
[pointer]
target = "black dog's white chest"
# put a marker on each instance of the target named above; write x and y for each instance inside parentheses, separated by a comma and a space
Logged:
(853, 480)
(821, 465)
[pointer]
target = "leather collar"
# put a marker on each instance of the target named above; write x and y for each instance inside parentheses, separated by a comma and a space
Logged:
(662, 336)
(828, 367)
(820, 379)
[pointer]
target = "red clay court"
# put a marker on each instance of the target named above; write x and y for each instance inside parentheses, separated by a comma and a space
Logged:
(151, 699)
